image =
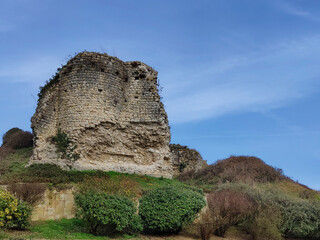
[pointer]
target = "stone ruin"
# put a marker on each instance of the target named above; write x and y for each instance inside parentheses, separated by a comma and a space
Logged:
(111, 116)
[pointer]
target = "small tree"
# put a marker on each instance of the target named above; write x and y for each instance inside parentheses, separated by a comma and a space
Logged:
(228, 208)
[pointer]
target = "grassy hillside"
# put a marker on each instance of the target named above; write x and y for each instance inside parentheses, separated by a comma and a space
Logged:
(13, 169)
(247, 170)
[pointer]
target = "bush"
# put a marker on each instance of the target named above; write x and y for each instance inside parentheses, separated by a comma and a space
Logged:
(300, 219)
(105, 213)
(279, 214)
(17, 139)
(166, 210)
(31, 193)
(21, 217)
(51, 172)
(7, 135)
(14, 214)
(228, 208)
(265, 225)
(206, 225)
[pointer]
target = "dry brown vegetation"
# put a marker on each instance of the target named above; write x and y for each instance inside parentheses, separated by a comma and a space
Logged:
(227, 208)
(31, 193)
(19, 139)
(244, 169)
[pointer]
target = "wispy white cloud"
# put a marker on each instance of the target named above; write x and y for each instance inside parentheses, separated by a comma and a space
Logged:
(289, 8)
(256, 82)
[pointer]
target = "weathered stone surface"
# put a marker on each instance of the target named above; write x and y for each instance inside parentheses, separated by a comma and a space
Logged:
(185, 159)
(111, 111)
(55, 205)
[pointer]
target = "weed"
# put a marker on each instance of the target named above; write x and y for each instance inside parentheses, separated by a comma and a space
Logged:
(65, 148)
(51, 82)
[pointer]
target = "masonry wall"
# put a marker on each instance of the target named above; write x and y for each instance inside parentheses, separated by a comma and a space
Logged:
(111, 110)
(55, 205)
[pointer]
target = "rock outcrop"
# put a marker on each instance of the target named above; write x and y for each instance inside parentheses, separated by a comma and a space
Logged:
(185, 159)
(107, 115)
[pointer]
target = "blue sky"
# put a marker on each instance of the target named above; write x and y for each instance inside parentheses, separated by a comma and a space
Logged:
(238, 77)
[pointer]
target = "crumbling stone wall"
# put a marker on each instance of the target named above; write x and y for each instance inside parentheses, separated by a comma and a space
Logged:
(185, 159)
(112, 113)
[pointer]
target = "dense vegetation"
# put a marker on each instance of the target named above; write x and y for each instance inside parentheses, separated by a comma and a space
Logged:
(234, 169)
(14, 214)
(257, 198)
(242, 193)
(167, 210)
(106, 213)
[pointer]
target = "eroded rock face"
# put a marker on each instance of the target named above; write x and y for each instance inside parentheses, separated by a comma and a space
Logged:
(112, 113)
(185, 159)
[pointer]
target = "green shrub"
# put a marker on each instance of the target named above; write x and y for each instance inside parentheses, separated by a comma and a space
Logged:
(265, 225)
(166, 210)
(46, 171)
(300, 219)
(21, 217)
(65, 147)
(13, 213)
(105, 213)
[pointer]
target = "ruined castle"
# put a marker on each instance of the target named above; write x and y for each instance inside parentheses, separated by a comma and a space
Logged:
(110, 117)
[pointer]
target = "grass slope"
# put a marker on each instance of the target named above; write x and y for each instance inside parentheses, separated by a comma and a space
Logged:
(15, 161)
(14, 170)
